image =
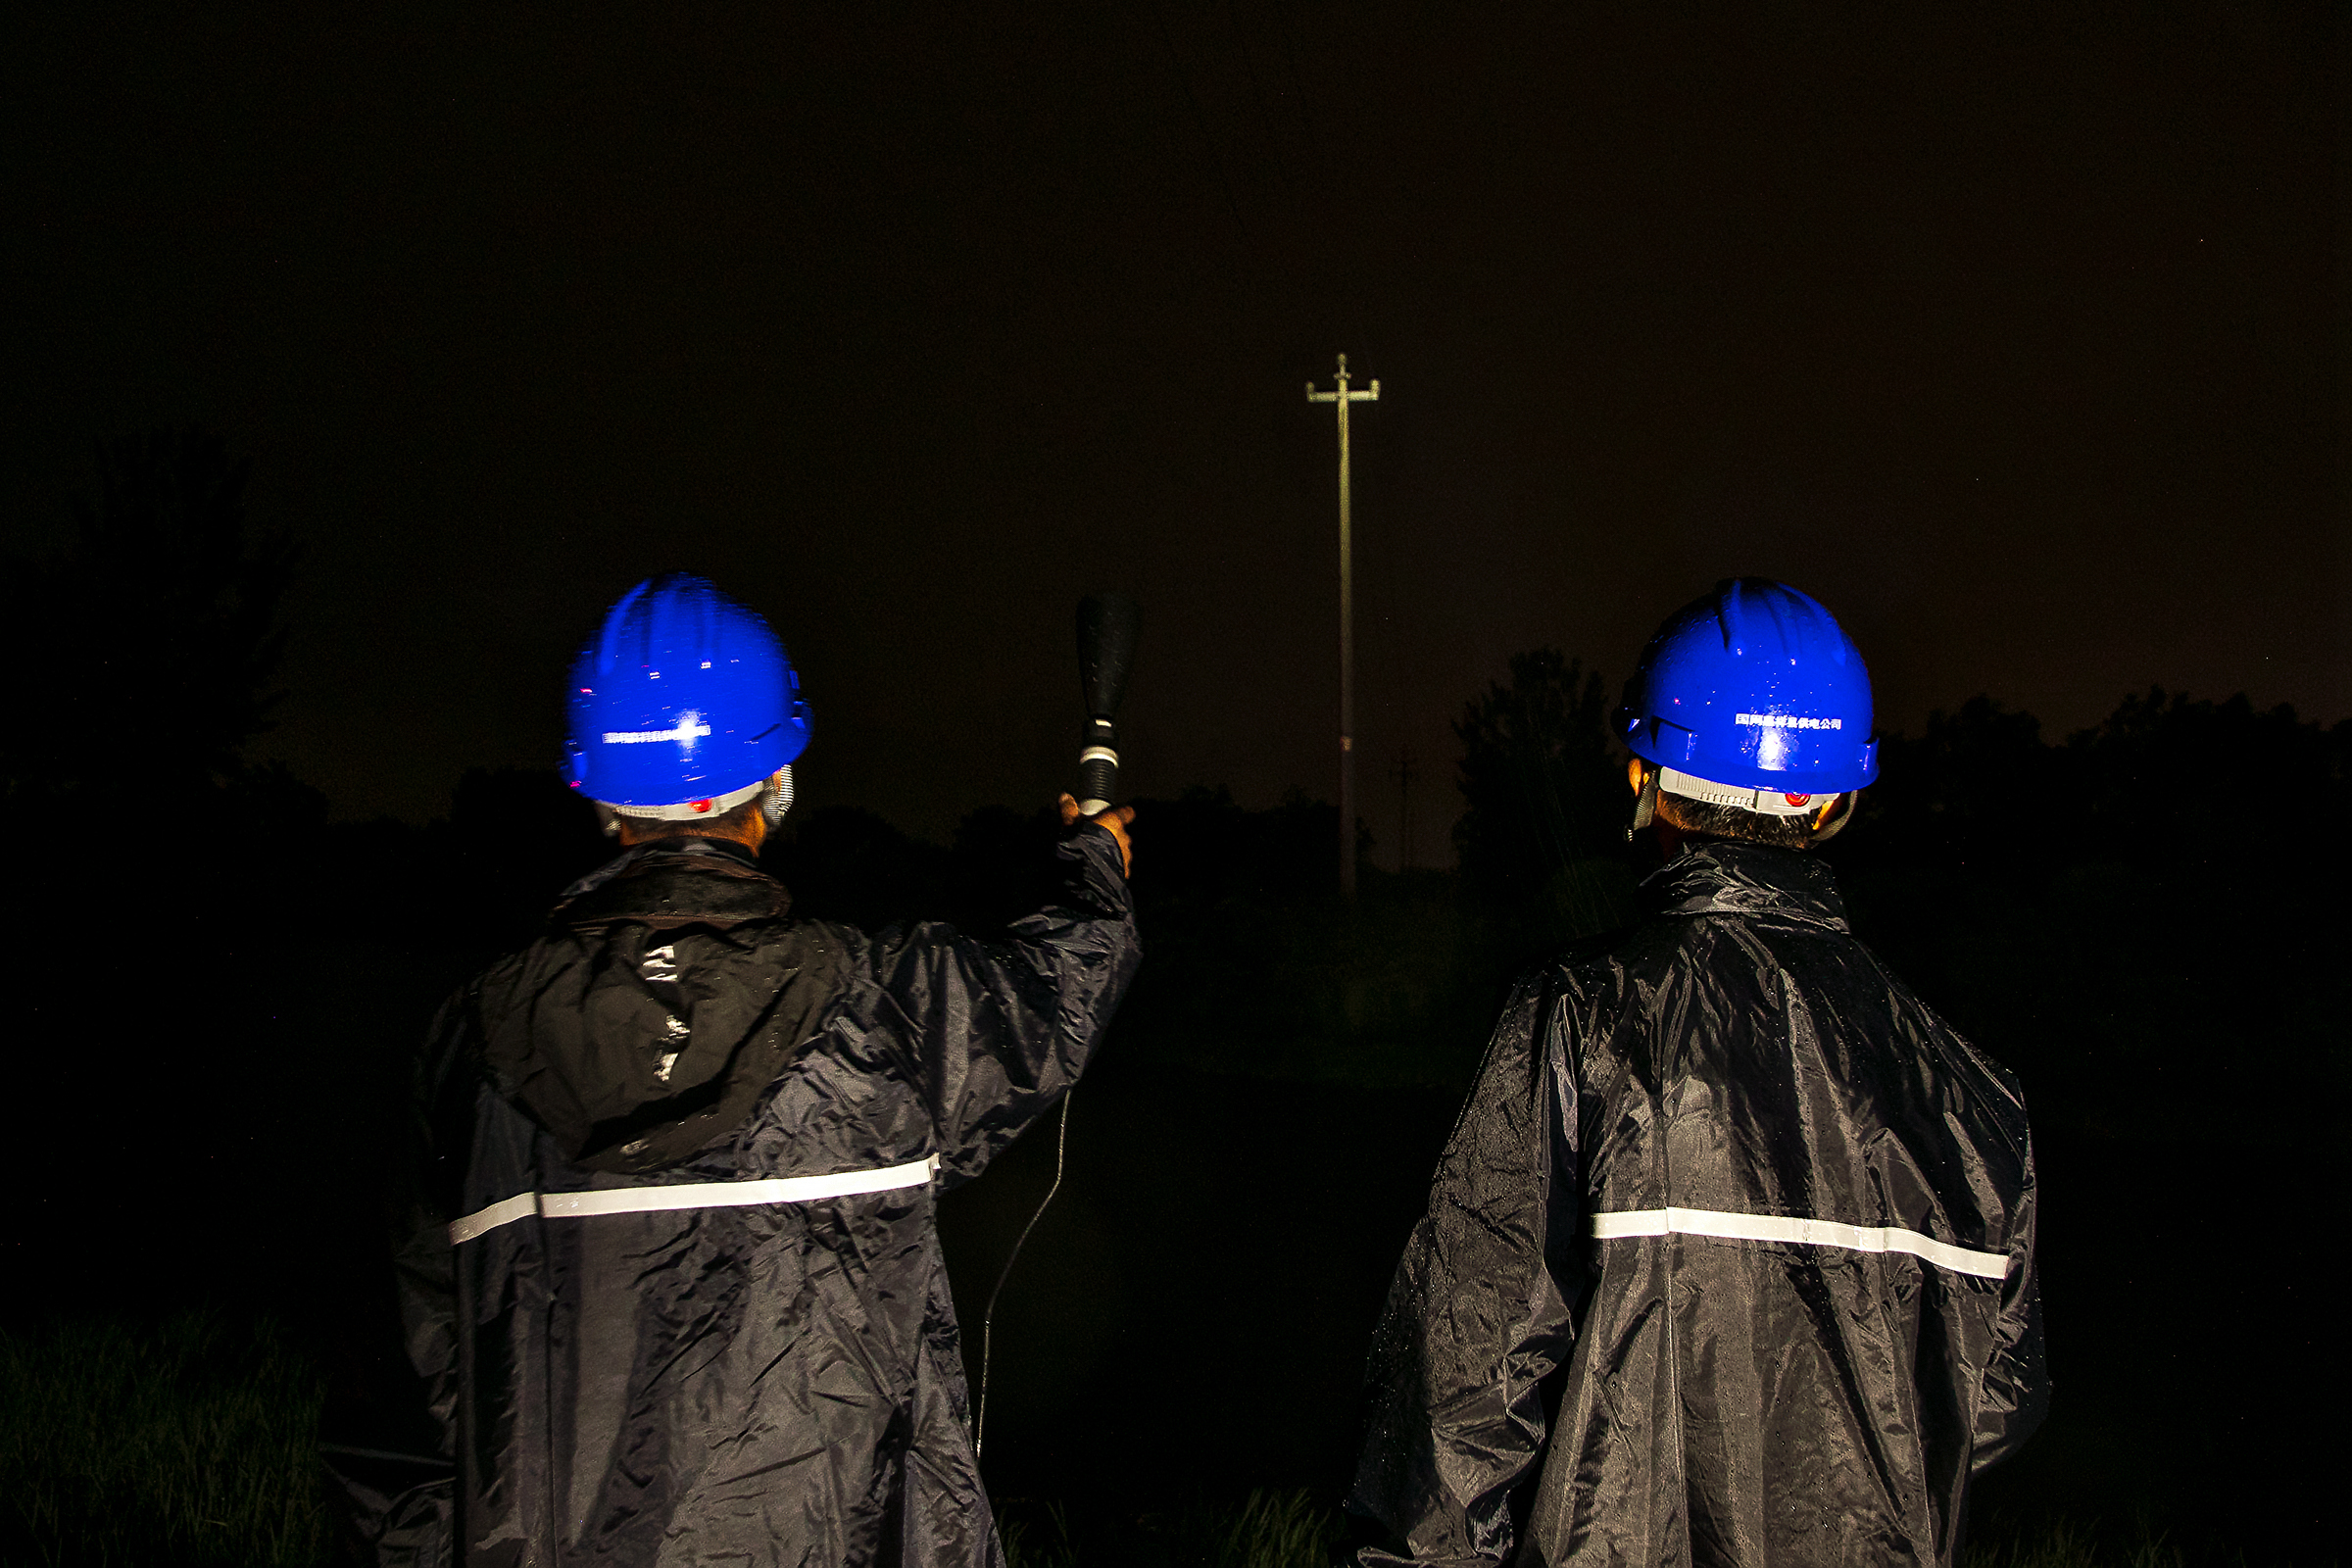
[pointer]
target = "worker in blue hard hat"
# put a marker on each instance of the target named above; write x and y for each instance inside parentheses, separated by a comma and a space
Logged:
(671, 1276)
(1730, 1258)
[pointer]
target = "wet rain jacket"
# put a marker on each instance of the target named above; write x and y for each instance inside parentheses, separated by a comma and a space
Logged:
(773, 1376)
(1729, 1259)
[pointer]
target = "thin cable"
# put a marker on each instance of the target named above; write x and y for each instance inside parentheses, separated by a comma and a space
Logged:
(988, 1313)
(1199, 119)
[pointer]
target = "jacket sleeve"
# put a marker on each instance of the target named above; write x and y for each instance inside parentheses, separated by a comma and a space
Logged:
(402, 1504)
(1474, 1319)
(1004, 1028)
(2017, 1384)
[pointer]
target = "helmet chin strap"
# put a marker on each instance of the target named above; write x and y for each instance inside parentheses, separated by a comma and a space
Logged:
(778, 798)
(1645, 805)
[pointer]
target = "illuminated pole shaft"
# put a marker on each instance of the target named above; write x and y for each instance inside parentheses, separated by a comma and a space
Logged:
(1347, 658)
(1343, 397)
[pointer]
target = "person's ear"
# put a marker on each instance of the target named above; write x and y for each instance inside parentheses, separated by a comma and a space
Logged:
(1633, 773)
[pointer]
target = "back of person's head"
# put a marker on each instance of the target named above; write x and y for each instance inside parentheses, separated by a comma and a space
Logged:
(1749, 717)
(684, 713)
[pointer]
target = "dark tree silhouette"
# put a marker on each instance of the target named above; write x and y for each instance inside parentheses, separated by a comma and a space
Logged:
(1977, 787)
(2190, 777)
(1539, 776)
(149, 648)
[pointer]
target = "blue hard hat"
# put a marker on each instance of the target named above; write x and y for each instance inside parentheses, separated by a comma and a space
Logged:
(1756, 686)
(683, 695)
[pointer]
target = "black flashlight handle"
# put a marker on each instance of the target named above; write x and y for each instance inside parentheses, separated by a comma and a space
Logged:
(1099, 766)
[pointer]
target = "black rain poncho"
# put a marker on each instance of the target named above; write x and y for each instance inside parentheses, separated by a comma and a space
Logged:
(1729, 1260)
(771, 1377)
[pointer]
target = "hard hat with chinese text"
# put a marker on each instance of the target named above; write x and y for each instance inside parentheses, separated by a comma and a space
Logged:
(1757, 689)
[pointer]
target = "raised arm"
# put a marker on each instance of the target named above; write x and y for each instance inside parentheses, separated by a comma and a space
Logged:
(1474, 1319)
(1004, 1027)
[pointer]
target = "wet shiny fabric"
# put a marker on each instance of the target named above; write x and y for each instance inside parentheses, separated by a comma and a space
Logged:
(1538, 1395)
(773, 1383)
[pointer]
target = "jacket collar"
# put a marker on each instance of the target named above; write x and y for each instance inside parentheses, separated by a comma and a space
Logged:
(1721, 876)
(715, 854)
(698, 844)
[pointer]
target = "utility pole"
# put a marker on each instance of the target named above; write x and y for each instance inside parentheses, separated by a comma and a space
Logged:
(1403, 774)
(1343, 397)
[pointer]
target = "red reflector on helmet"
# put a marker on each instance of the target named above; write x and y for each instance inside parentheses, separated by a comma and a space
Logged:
(699, 806)
(1798, 799)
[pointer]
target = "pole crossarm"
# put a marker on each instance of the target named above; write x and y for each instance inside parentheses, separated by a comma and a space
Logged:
(1370, 394)
(1341, 396)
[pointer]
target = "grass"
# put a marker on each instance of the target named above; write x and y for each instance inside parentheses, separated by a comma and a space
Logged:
(1285, 1529)
(1274, 1529)
(1027, 1549)
(1267, 1530)
(188, 1444)
(2066, 1543)
(193, 1443)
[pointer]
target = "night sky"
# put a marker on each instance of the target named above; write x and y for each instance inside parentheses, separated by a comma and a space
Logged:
(2010, 334)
